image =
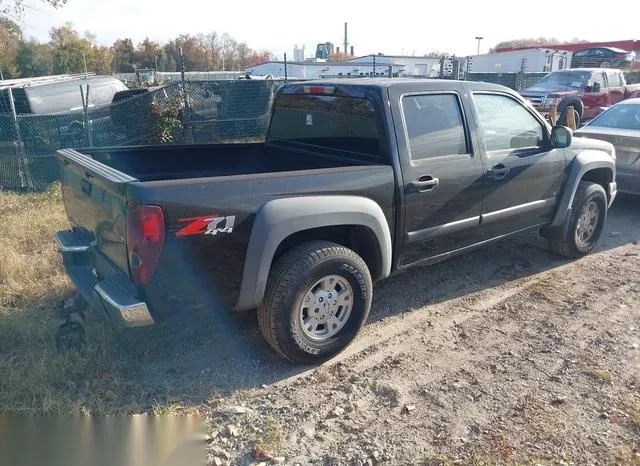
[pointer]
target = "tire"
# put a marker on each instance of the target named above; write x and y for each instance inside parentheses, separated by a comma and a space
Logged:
(578, 106)
(291, 284)
(579, 242)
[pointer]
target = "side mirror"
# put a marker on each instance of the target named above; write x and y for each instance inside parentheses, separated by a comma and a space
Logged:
(596, 87)
(561, 137)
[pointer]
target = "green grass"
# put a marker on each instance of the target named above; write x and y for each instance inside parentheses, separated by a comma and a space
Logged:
(34, 378)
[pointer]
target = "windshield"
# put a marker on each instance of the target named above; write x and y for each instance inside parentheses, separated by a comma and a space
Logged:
(625, 116)
(345, 123)
(575, 79)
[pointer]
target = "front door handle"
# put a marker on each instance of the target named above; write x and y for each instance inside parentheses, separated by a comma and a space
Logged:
(426, 183)
(498, 171)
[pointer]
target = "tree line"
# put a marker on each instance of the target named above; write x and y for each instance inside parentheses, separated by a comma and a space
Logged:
(67, 51)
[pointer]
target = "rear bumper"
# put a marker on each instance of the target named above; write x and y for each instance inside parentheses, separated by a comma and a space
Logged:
(112, 294)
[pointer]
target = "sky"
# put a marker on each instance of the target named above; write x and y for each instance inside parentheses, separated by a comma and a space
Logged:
(393, 28)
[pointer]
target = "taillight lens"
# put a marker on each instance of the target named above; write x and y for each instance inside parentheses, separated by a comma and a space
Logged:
(145, 239)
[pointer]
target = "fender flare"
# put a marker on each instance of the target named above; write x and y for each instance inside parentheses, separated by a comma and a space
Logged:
(584, 162)
(280, 218)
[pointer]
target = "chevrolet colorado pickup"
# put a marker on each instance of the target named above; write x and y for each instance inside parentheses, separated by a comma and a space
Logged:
(588, 90)
(357, 179)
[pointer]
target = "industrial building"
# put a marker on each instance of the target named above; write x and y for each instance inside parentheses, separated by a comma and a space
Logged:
(368, 65)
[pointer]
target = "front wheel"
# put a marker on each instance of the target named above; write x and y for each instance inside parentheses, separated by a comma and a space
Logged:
(317, 299)
(588, 214)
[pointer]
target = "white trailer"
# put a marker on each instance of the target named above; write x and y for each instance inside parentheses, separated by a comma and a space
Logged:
(529, 61)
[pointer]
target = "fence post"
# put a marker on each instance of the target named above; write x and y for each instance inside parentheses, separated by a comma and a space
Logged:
(16, 125)
(85, 115)
(553, 115)
(285, 67)
(23, 165)
(571, 117)
(186, 114)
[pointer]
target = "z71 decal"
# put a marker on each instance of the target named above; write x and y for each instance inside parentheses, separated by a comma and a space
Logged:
(207, 225)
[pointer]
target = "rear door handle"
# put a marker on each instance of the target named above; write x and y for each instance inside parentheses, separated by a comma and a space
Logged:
(427, 183)
(498, 171)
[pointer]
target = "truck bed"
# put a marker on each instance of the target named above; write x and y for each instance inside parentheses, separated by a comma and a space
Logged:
(155, 163)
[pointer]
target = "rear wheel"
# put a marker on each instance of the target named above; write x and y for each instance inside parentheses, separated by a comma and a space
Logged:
(588, 215)
(317, 299)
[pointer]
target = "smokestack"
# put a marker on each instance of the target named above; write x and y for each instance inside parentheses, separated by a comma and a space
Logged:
(337, 50)
(346, 41)
(352, 51)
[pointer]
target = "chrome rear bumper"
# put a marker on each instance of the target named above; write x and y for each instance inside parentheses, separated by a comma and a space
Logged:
(114, 294)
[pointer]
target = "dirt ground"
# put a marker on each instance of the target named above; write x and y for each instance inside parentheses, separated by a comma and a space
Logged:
(509, 355)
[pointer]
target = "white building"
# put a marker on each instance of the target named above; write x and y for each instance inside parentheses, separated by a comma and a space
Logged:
(298, 53)
(384, 65)
(529, 61)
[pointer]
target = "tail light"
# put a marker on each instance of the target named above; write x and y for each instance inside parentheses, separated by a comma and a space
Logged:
(320, 90)
(145, 239)
(621, 55)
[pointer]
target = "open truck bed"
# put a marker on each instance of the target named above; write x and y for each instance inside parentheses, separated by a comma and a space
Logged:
(191, 185)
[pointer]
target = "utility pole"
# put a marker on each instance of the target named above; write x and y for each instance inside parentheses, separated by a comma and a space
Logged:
(479, 38)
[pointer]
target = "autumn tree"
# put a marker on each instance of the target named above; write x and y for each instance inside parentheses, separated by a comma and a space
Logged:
(338, 57)
(68, 50)
(10, 39)
(15, 8)
(34, 59)
(125, 58)
(210, 44)
(149, 54)
(533, 41)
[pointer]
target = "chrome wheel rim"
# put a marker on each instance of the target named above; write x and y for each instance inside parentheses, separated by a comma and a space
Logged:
(326, 307)
(587, 223)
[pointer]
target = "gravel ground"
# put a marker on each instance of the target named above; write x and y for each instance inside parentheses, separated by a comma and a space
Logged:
(509, 355)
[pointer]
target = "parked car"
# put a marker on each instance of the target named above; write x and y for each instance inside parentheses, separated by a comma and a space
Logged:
(604, 57)
(620, 125)
(357, 180)
(61, 96)
(588, 90)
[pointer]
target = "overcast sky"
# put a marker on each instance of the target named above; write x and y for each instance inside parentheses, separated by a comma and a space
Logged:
(394, 27)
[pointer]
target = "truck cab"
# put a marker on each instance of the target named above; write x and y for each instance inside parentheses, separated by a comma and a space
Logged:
(588, 90)
(357, 180)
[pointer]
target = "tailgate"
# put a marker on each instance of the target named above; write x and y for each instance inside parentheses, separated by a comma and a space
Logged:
(96, 204)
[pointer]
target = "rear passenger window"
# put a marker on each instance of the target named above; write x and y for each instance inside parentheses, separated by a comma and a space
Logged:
(434, 125)
(599, 78)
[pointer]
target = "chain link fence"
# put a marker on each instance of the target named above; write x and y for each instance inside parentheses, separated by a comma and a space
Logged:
(181, 113)
(194, 112)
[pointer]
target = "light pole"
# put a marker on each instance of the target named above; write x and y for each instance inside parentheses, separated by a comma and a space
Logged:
(478, 38)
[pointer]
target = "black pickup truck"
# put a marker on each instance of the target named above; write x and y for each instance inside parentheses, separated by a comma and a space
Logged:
(357, 180)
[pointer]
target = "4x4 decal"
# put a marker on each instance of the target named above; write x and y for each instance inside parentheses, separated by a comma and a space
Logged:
(206, 225)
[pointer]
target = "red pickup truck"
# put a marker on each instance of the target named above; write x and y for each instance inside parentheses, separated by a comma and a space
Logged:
(588, 90)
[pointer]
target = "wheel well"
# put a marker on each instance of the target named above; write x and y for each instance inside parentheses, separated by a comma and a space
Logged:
(602, 176)
(575, 102)
(358, 238)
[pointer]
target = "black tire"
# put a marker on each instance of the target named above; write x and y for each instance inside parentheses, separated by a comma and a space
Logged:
(291, 279)
(570, 246)
(578, 106)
